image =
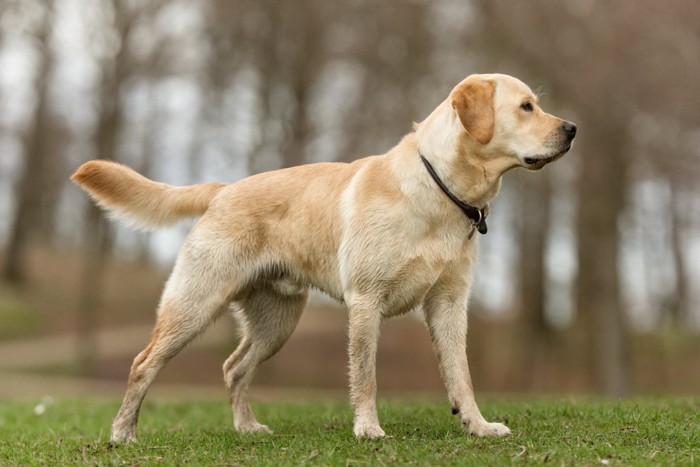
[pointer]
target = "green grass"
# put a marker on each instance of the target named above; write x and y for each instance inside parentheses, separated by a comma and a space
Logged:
(663, 431)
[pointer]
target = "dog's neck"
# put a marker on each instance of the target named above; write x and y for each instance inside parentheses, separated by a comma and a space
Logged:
(456, 157)
(473, 187)
(473, 178)
(476, 215)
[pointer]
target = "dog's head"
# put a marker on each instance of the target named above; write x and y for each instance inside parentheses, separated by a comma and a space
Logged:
(502, 118)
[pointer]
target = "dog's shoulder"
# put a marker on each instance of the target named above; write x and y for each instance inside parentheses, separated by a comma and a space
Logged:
(376, 182)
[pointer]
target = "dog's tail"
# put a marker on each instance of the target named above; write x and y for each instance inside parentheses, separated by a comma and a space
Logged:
(138, 201)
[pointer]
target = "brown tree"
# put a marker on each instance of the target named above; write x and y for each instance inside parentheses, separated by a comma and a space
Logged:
(116, 68)
(533, 345)
(36, 186)
(601, 141)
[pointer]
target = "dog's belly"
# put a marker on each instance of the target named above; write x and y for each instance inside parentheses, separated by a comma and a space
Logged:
(397, 286)
(288, 286)
(313, 267)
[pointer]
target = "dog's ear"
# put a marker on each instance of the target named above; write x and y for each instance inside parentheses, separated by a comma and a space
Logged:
(473, 102)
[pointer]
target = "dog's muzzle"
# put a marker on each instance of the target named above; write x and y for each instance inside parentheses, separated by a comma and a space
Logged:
(568, 133)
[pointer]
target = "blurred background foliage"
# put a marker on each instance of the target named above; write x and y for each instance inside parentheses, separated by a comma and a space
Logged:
(588, 279)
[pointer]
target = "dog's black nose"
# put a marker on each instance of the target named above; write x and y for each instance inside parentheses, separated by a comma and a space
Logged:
(569, 129)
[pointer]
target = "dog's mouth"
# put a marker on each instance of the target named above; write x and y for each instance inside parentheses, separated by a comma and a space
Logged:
(535, 163)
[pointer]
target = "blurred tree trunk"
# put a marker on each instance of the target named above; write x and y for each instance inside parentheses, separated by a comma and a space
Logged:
(288, 58)
(534, 333)
(600, 144)
(396, 59)
(39, 166)
(97, 238)
(601, 193)
(304, 61)
(149, 149)
(680, 298)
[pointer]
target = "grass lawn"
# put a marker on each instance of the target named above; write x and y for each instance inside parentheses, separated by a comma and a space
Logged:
(664, 431)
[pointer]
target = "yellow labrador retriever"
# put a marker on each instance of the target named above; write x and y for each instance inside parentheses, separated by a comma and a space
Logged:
(384, 234)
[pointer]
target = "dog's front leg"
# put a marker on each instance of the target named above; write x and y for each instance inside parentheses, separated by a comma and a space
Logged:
(364, 334)
(447, 321)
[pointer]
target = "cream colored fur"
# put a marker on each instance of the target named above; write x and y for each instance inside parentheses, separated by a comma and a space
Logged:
(377, 234)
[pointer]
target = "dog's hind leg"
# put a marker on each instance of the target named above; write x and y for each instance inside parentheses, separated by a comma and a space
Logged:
(267, 316)
(193, 297)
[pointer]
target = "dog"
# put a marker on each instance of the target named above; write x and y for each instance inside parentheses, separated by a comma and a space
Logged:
(384, 234)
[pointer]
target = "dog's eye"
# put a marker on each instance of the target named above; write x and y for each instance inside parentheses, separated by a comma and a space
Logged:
(527, 107)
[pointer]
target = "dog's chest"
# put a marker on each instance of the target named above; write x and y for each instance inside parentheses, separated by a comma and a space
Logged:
(399, 270)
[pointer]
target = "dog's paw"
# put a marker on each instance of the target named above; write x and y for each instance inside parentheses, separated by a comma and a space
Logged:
(254, 428)
(485, 428)
(366, 430)
(123, 436)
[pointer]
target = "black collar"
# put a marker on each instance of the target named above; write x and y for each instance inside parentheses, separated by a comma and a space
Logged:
(476, 216)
